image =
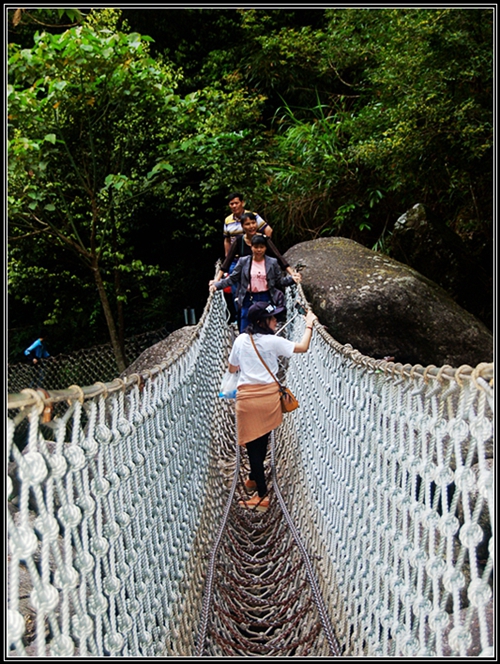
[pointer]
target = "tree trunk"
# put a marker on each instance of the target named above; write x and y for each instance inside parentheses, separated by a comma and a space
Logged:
(118, 285)
(120, 315)
(115, 342)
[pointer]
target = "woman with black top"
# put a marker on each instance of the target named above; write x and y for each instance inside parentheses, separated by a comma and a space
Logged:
(242, 246)
(258, 278)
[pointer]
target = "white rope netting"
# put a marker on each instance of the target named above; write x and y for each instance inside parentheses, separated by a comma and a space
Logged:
(113, 507)
(114, 503)
(393, 492)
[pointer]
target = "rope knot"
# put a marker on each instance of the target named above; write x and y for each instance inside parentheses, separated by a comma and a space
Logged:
(15, 626)
(33, 470)
(44, 598)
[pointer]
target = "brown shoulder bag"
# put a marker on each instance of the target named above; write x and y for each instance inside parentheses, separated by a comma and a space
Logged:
(288, 400)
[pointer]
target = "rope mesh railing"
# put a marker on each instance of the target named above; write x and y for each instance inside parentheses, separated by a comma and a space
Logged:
(385, 471)
(393, 492)
(112, 508)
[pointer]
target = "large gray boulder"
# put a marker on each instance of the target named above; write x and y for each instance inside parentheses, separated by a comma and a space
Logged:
(162, 352)
(385, 308)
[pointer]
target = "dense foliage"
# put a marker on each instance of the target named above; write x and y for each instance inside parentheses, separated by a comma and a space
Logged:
(83, 109)
(123, 147)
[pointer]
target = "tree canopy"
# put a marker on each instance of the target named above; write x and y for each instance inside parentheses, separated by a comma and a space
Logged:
(83, 110)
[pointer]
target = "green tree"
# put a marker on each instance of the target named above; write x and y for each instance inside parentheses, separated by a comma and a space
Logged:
(333, 121)
(22, 23)
(423, 122)
(222, 149)
(403, 114)
(88, 110)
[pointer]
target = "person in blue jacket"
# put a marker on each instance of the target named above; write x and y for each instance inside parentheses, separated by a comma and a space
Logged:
(34, 353)
(37, 350)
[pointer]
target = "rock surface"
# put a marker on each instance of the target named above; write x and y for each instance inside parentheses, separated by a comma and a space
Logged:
(163, 351)
(385, 308)
(437, 252)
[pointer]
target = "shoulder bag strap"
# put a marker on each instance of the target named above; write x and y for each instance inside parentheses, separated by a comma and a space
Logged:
(260, 358)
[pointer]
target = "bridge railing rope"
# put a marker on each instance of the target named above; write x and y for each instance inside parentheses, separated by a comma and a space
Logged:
(116, 497)
(393, 492)
(113, 504)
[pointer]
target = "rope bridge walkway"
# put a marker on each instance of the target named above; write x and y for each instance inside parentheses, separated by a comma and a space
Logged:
(126, 538)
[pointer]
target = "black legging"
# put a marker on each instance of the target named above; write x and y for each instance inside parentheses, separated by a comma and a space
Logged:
(257, 450)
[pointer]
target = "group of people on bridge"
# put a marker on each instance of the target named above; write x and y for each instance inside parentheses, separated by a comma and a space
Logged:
(254, 275)
(253, 269)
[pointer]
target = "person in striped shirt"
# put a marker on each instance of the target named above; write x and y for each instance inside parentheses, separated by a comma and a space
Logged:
(232, 223)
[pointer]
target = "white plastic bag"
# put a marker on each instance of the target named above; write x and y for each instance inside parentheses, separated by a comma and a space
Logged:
(228, 385)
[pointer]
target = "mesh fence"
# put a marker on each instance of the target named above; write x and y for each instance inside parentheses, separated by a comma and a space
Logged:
(82, 367)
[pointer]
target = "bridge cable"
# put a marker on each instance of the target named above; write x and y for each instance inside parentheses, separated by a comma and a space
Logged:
(318, 599)
(207, 600)
(202, 632)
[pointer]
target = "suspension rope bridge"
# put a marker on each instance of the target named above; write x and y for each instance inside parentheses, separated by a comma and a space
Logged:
(126, 538)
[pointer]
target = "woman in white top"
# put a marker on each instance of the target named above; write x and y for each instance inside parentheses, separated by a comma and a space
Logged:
(258, 407)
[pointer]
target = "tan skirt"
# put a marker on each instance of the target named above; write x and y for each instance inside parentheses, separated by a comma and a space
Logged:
(258, 411)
